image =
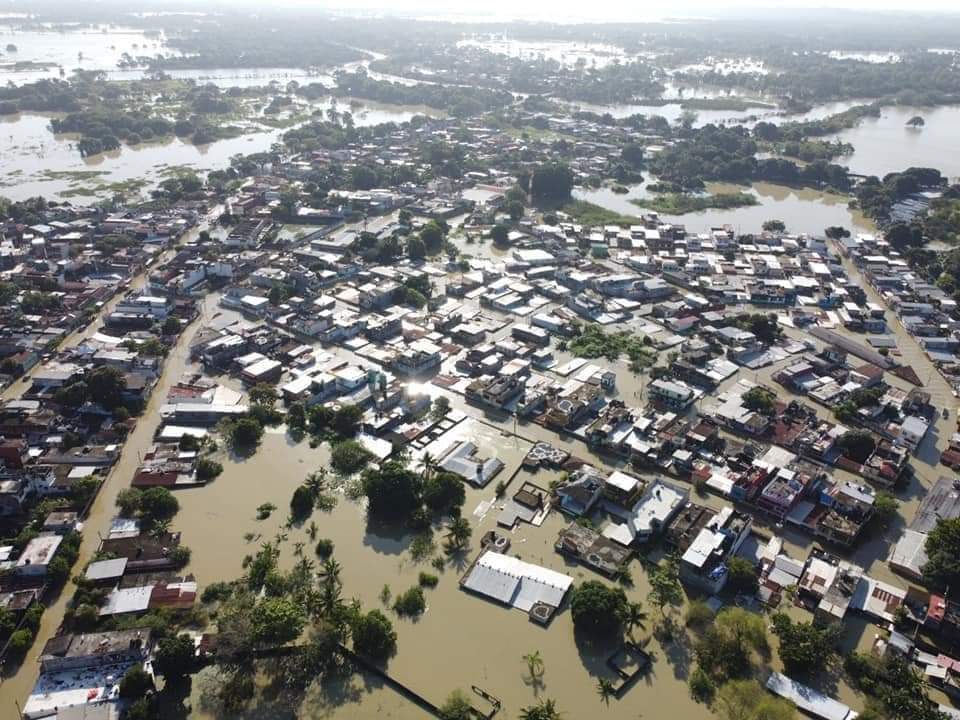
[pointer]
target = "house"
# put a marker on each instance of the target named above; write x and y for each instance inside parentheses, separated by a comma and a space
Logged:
(516, 583)
(651, 515)
(581, 492)
(672, 394)
(37, 555)
(703, 564)
(417, 357)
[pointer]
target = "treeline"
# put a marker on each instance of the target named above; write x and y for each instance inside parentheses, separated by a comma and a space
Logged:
(243, 41)
(478, 67)
(457, 101)
(40, 96)
(102, 130)
(727, 154)
(919, 78)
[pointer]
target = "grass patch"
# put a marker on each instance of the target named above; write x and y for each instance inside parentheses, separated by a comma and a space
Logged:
(681, 203)
(588, 213)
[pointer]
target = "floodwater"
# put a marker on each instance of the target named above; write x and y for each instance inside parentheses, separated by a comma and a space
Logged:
(802, 209)
(566, 53)
(38, 162)
(87, 48)
(885, 144)
(674, 111)
(462, 640)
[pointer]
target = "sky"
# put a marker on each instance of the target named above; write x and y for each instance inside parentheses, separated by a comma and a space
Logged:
(561, 10)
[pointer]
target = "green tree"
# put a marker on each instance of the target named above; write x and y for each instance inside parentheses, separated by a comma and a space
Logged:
(416, 248)
(634, 617)
(534, 662)
(302, 503)
(805, 648)
(742, 576)
(175, 657)
(774, 226)
(157, 504)
(347, 421)
(432, 236)
(246, 433)
(106, 385)
(942, 546)
(19, 643)
(597, 609)
(135, 683)
(263, 394)
(551, 183)
(759, 400)
(665, 588)
(374, 636)
(171, 326)
(275, 621)
(727, 647)
(349, 457)
(128, 502)
(208, 469)
(392, 490)
(297, 416)
(747, 700)
(443, 491)
(858, 445)
(500, 234)
(515, 210)
(458, 533)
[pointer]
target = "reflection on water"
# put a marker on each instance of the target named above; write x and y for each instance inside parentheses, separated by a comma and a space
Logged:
(803, 210)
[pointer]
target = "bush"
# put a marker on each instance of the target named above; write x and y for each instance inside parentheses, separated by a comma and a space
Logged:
(136, 683)
(374, 636)
(324, 548)
(702, 687)
(456, 707)
(699, 615)
(443, 491)
(597, 609)
(20, 642)
(301, 504)
(208, 469)
(428, 580)
(410, 603)
(742, 577)
(349, 457)
(216, 591)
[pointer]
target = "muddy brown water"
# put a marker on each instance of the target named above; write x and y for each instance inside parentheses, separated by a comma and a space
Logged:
(462, 640)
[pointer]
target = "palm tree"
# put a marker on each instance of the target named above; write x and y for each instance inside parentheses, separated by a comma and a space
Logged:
(544, 710)
(312, 531)
(606, 690)
(316, 482)
(298, 549)
(330, 573)
(634, 617)
(534, 663)
(458, 533)
(429, 464)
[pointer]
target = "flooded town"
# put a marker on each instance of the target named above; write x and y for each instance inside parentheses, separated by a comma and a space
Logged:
(415, 365)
